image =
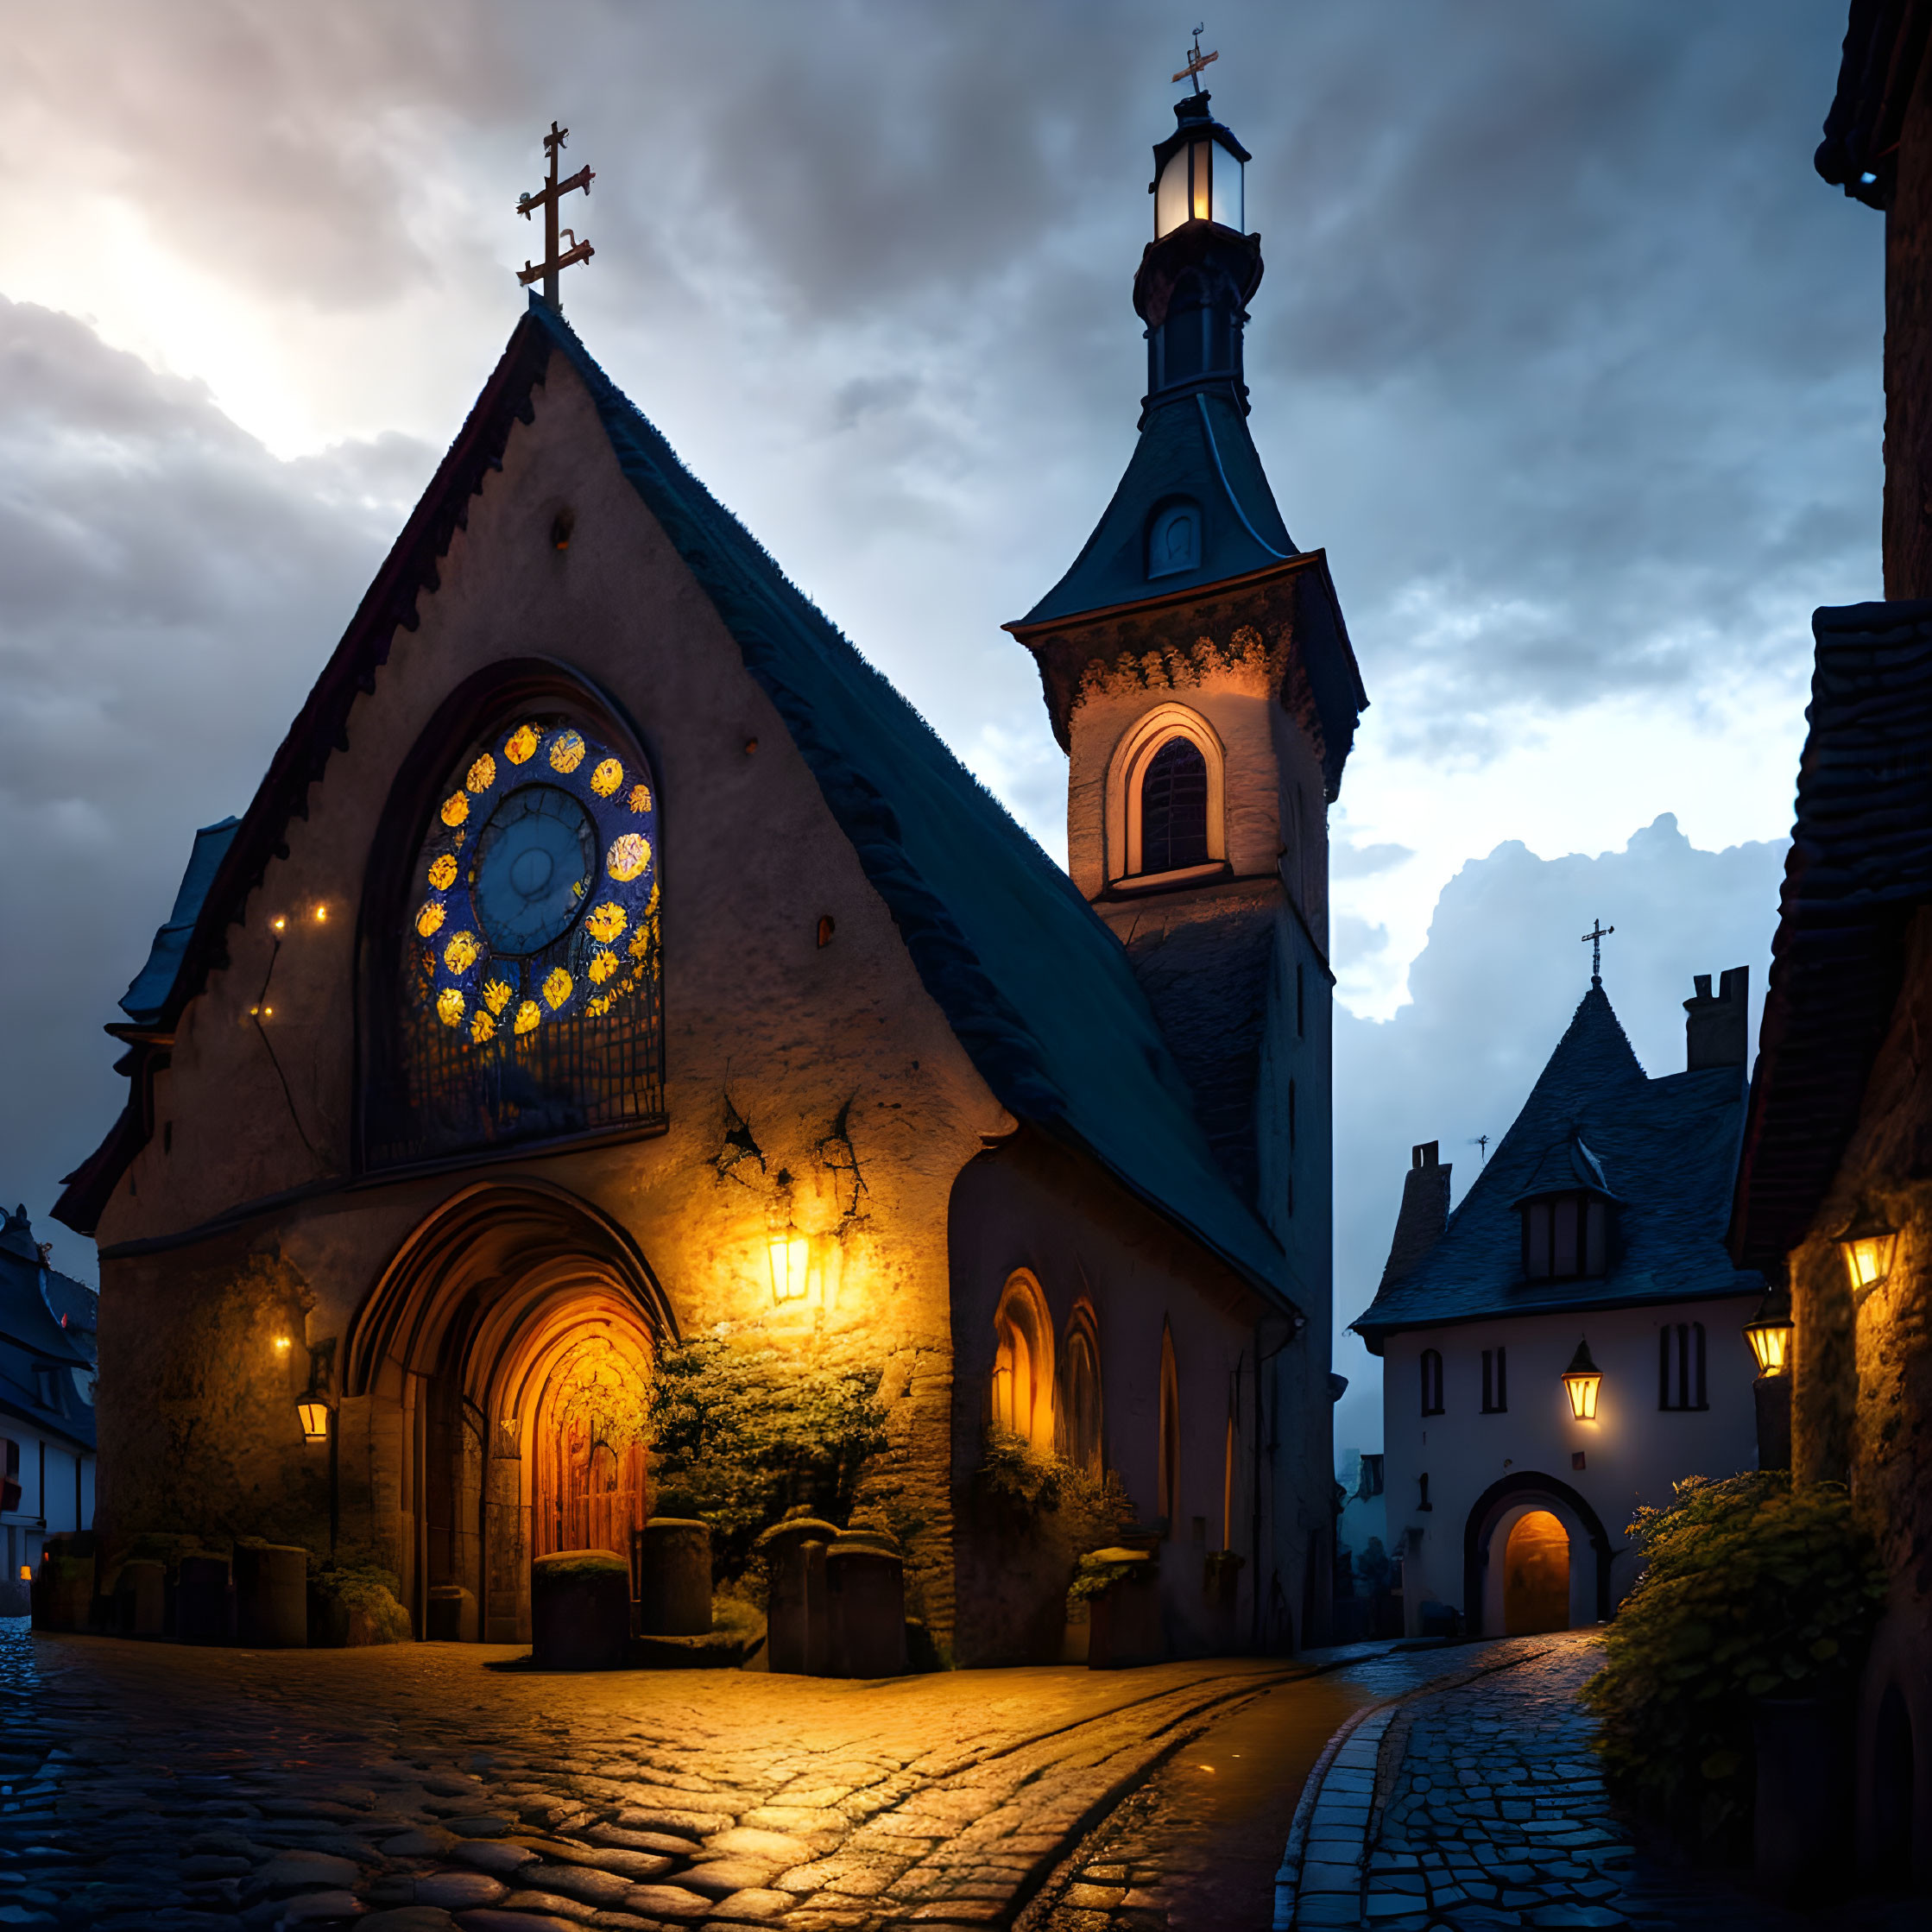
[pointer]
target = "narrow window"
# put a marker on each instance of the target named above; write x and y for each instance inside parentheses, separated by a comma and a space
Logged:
(1681, 1370)
(1301, 1021)
(1596, 1247)
(1495, 1382)
(1174, 809)
(1536, 1240)
(1431, 1382)
(1697, 1362)
(1562, 1262)
(1424, 1503)
(1291, 1116)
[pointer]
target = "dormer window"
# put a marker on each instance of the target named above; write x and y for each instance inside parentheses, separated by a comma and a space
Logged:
(1174, 540)
(1566, 1236)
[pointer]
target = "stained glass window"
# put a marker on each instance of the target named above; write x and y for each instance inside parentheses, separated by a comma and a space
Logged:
(1174, 809)
(527, 992)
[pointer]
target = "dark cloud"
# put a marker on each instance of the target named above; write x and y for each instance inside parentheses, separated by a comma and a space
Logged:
(167, 592)
(1490, 997)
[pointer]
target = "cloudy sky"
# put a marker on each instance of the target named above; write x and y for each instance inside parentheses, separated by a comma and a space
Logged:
(1564, 353)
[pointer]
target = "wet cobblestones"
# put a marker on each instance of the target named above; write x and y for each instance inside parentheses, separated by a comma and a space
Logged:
(414, 1789)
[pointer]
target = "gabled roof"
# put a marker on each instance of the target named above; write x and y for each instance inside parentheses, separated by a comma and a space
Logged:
(1671, 1144)
(1196, 446)
(1034, 985)
(1884, 45)
(1859, 867)
(1566, 1167)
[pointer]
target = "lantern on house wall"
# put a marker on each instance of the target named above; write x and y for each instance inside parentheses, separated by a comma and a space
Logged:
(1769, 1333)
(1868, 1245)
(1582, 1381)
(314, 1412)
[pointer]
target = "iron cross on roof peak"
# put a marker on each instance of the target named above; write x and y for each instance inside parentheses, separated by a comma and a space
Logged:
(1594, 939)
(546, 197)
(1197, 61)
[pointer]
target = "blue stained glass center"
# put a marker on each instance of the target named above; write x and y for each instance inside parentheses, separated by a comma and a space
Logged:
(536, 861)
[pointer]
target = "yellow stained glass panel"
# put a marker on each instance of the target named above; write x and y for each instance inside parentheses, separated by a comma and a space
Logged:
(497, 996)
(630, 852)
(483, 1027)
(557, 987)
(430, 918)
(566, 751)
(483, 774)
(449, 1007)
(456, 808)
(528, 1015)
(462, 952)
(442, 872)
(520, 744)
(640, 798)
(604, 963)
(605, 779)
(605, 922)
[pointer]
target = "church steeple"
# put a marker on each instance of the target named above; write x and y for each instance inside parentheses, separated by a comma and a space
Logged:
(1193, 506)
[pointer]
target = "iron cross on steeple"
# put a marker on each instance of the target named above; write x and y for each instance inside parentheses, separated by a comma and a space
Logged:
(547, 197)
(1197, 61)
(1594, 939)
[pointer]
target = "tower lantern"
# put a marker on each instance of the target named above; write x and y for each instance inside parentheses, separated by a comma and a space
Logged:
(1198, 171)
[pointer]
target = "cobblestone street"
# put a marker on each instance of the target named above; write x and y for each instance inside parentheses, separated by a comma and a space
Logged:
(152, 1786)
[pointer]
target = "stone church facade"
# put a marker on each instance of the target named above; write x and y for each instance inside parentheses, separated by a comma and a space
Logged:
(610, 956)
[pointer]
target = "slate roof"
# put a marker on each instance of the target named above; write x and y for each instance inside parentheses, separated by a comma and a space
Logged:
(1035, 986)
(146, 997)
(1859, 867)
(1196, 446)
(1665, 1149)
(32, 1340)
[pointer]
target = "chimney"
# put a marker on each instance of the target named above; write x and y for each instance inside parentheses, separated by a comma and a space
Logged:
(1425, 1198)
(1717, 1033)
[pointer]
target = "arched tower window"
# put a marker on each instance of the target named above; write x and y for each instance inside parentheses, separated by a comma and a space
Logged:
(1081, 1416)
(1023, 1363)
(1174, 808)
(1169, 1498)
(515, 987)
(1174, 540)
(1165, 797)
(1431, 1382)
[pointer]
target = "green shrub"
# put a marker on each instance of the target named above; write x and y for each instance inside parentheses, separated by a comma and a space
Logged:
(1750, 1590)
(745, 1431)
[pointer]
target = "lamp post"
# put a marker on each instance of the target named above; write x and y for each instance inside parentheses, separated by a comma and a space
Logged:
(1582, 1381)
(1769, 1333)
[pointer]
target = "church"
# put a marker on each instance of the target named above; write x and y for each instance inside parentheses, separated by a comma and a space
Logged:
(611, 957)
(1574, 1339)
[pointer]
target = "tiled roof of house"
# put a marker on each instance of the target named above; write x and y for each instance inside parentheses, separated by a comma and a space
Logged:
(1859, 868)
(40, 1358)
(1035, 986)
(1665, 1150)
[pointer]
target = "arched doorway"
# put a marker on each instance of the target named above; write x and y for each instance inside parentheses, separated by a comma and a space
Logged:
(511, 1340)
(1536, 1575)
(1486, 1542)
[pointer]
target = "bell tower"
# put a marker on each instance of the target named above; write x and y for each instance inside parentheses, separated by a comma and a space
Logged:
(1199, 677)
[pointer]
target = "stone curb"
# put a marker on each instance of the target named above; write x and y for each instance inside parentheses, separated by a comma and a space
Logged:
(1040, 1891)
(1337, 1809)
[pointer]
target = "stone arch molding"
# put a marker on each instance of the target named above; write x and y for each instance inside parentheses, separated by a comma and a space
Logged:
(1128, 767)
(1499, 1508)
(479, 1285)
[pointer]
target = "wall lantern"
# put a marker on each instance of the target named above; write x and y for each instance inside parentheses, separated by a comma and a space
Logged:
(1582, 1380)
(1769, 1333)
(1868, 1245)
(27, 1573)
(314, 1412)
(789, 1254)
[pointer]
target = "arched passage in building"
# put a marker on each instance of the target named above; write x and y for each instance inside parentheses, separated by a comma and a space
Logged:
(1023, 1362)
(1487, 1537)
(503, 1365)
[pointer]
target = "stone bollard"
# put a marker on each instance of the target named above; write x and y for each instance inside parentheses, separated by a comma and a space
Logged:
(1124, 1622)
(451, 1614)
(204, 1601)
(865, 1598)
(63, 1590)
(673, 1567)
(140, 1599)
(271, 1596)
(579, 1610)
(798, 1631)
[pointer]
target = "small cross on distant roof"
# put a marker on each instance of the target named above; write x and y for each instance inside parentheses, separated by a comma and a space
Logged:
(1197, 61)
(556, 257)
(1594, 939)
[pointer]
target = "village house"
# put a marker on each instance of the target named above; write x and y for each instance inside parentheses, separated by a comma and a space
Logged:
(610, 956)
(47, 1405)
(1569, 1344)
